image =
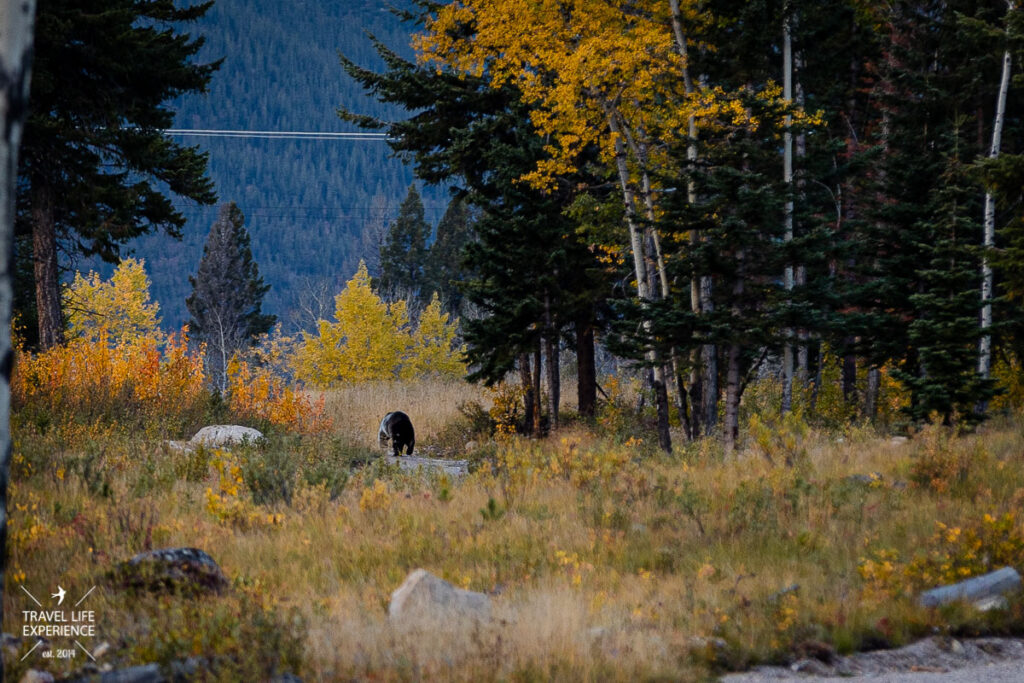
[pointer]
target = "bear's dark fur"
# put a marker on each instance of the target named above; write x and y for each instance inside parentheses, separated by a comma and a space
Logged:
(397, 428)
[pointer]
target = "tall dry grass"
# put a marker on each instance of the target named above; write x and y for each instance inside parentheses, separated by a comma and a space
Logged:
(603, 559)
(356, 410)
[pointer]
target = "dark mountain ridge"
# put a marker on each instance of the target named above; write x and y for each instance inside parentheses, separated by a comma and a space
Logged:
(314, 208)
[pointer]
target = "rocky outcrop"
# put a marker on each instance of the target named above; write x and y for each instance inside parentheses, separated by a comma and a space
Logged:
(425, 600)
(188, 569)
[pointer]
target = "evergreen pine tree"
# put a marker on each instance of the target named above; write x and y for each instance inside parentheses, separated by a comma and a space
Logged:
(404, 253)
(227, 294)
(96, 163)
(445, 269)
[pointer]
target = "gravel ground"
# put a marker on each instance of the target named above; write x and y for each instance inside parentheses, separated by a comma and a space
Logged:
(934, 660)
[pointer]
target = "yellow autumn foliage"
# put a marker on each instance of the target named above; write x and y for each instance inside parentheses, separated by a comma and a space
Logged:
(370, 340)
(118, 308)
(434, 351)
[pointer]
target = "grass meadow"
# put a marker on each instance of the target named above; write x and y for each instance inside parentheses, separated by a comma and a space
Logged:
(605, 559)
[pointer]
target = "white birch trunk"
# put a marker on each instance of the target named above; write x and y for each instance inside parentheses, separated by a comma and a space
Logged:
(643, 285)
(787, 178)
(16, 24)
(985, 346)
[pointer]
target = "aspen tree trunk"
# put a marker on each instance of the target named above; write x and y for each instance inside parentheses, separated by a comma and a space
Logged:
(709, 359)
(871, 395)
(985, 350)
(802, 371)
(16, 23)
(696, 388)
(554, 377)
(636, 238)
(529, 398)
(732, 378)
(657, 265)
(787, 178)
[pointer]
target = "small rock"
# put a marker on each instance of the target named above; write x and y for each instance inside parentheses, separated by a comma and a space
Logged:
(149, 673)
(866, 479)
(810, 666)
(179, 446)
(101, 649)
(898, 440)
(172, 568)
(11, 643)
(471, 446)
(413, 463)
(425, 598)
(714, 644)
(286, 678)
(956, 647)
(33, 676)
(991, 603)
(215, 436)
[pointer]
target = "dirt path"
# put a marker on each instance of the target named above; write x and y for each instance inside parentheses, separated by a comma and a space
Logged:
(933, 660)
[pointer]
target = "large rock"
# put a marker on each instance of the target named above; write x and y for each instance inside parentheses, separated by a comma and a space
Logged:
(980, 589)
(424, 599)
(172, 569)
(215, 436)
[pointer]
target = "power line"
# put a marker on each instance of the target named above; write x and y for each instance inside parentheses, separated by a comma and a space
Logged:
(274, 134)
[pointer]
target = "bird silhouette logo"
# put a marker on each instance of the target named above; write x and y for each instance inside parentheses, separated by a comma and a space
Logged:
(59, 595)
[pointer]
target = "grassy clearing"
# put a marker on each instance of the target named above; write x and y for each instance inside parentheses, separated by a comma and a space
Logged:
(357, 409)
(605, 560)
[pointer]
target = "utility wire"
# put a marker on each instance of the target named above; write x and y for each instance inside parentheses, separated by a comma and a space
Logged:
(274, 134)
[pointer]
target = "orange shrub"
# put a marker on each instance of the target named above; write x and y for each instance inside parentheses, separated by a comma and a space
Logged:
(256, 393)
(95, 378)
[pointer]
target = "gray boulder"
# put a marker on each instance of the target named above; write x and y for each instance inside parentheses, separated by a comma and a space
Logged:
(424, 599)
(172, 569)
(216, 436)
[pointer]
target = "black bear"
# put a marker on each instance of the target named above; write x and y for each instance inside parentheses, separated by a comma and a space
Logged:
(397, 427)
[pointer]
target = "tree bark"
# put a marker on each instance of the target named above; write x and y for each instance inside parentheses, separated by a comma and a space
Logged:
(586, 370)
(529, 397)
(871, 395)
(985, 345)
(636, 238)
(47, 273)
(16, 20)
(554, 378)
(787, 179)
(733, 388)
(709, 357)
(732, 399)
(849, 378)
(536, 389)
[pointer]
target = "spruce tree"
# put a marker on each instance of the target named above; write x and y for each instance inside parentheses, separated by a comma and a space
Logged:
(96, 164)
(227, 294)
(404, 253)
(445, 269)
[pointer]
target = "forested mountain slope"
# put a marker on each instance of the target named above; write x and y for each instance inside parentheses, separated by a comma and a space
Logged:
(309, 204)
